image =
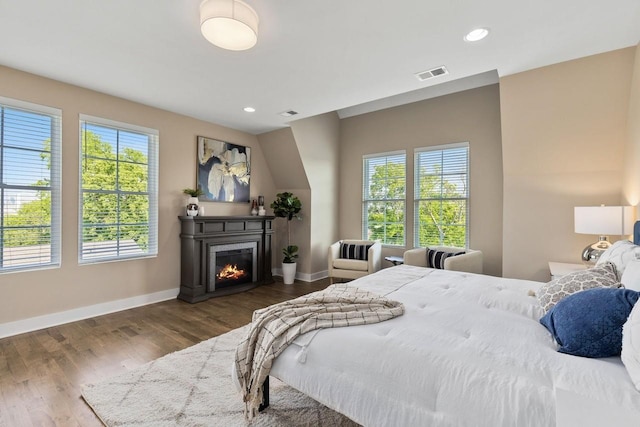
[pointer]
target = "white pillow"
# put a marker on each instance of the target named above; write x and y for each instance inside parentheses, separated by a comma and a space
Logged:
(631, 345)
(631, 276)
(620, 253)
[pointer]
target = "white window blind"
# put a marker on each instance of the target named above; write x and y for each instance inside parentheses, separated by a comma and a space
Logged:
(119, 190)
(30, 145)
(442, 195)
(383, 198)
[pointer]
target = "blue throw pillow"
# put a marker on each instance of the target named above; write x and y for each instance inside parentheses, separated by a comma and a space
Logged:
(589, 323)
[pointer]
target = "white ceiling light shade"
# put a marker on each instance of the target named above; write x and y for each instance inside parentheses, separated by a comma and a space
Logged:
(476, 35)
(249, 109)
(603, 221)
(229, 24)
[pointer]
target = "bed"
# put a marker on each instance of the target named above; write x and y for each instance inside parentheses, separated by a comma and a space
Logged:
(469, 351)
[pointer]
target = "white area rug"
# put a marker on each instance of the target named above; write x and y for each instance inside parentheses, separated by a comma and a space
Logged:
(193, 387)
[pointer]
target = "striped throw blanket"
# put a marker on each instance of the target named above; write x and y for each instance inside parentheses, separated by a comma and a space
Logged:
(273, 328)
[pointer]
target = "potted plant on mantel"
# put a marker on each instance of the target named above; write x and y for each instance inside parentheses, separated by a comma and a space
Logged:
(288, 206)
(192, 202)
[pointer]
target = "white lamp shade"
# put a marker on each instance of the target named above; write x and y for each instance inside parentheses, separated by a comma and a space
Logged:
(229, 24)
(604, 220)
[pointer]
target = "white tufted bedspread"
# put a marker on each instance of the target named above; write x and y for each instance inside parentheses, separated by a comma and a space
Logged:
(469, 351)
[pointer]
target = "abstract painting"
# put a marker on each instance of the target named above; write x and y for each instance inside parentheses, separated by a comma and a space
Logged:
(224, 170)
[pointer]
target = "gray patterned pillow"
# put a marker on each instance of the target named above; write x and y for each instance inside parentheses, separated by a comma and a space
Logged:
(602, 276)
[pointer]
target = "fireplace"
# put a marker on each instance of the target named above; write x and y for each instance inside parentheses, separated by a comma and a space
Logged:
(232, 265)
(222, 255)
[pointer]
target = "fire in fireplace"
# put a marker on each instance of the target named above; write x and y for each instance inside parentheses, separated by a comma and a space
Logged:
(232, 265)
(231, 272)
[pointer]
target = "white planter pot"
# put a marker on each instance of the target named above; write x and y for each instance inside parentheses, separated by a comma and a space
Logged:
(289, 272)
(192, 206)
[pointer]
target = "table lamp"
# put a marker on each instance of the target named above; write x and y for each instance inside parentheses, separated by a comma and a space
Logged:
(602, 221)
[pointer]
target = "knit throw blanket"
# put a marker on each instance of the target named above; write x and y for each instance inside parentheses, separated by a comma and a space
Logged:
(273, 328)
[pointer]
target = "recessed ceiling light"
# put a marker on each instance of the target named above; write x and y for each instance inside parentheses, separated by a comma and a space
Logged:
(476, 35)
(249, 109)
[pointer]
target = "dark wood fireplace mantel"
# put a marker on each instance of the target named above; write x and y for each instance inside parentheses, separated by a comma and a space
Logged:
(199, 233)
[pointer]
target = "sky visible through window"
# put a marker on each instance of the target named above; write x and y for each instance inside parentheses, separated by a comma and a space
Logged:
(120, 140)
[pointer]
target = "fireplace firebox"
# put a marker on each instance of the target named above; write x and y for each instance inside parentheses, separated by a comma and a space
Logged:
(221, 255)
(232, 265)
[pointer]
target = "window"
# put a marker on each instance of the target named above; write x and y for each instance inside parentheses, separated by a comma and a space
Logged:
(118, 191)
(383, 198)
(29, 185)
(442, 195)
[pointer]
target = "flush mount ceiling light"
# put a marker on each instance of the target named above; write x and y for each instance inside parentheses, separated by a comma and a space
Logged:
(249, 109)
(476, 35)
(229, 24)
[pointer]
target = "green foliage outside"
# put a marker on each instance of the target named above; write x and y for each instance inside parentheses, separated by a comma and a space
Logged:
(100, 208)
(385, 218)
(440, 211)
(36, 216)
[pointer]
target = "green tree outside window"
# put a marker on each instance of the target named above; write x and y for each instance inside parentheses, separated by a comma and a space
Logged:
(441, 196)
(114, 200)
(384, 199)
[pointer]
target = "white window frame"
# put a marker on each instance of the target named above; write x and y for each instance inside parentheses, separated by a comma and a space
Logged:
(152, 189)
(54, 255)
(416, 192)
(366, 199)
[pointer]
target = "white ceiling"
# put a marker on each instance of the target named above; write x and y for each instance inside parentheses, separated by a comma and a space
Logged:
(312, 56)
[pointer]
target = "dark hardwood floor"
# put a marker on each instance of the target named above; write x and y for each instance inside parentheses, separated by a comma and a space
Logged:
(41, 373)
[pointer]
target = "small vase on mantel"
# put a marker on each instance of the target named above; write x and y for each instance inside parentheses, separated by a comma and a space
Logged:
(261, 211)
(192, 206)
(193, 203)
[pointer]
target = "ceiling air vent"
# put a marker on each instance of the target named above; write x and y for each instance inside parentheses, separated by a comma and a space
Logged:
(288, 113)
(429, 74)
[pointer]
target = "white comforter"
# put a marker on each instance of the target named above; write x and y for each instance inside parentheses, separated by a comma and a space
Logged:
(469, 351)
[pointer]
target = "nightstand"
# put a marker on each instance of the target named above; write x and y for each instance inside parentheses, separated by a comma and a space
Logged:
(559, 269)
(395, 260)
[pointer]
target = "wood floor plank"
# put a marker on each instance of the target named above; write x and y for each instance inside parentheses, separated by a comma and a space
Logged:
(42, 372)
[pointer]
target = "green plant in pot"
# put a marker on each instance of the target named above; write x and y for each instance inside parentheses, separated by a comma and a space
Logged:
(192, 192)
(288, 206)
(290, 254)
(192, 202)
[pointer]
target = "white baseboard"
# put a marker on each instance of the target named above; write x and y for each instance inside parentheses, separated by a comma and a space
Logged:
(319, 275)
(305, 277)
(54, 319)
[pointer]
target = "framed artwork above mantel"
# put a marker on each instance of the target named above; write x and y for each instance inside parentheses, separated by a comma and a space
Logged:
(224, 171)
